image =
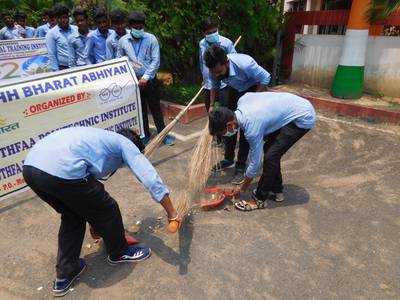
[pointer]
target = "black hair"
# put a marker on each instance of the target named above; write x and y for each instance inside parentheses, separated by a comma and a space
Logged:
(133, 137)
(118, 16)
(48, 12)
(214, 55)
(60, 10)
(20, 15)
(218, 118)
(208, 23)
(99, 13)
(6, 13)
(79, 11)
(136, 17)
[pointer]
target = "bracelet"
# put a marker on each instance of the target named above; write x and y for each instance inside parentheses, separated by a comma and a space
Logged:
(173, 219)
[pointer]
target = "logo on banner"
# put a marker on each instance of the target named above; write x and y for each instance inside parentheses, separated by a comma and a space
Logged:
(36, 65)
(114, 94)
(5, 128)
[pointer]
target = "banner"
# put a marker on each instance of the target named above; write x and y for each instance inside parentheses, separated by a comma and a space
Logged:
(23, 57)
(105, 95)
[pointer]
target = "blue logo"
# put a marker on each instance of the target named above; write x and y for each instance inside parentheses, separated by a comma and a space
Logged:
(36, 65)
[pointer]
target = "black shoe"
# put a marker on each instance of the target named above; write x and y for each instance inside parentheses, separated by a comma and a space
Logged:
(61, 287)
(223, 164)
(238, 178)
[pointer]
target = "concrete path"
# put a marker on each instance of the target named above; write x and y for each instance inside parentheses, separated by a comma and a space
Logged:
(336, 236)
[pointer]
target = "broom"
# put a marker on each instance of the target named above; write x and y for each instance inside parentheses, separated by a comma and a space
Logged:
(156, 142)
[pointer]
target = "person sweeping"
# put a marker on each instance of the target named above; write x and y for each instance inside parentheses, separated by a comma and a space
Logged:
(63, 170)
(272, 123)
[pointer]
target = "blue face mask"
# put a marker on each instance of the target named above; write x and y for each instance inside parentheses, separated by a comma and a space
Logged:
(213, 37)
(230, 133)
(137, 33)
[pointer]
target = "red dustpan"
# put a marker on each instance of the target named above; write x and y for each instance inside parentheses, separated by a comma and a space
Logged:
(214, 196)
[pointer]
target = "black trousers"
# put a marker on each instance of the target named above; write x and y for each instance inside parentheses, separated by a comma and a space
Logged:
(222, 97)
(61, 67)
(150, 97)
(275, 146)
(230, 142)
(78, 201)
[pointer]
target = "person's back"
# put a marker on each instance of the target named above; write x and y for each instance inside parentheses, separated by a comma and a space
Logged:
(273, 110)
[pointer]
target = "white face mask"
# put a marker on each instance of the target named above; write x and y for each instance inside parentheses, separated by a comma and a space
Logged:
(230, 133)
(137, 33)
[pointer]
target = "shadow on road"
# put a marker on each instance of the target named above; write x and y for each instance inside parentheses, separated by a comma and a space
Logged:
(182, 258)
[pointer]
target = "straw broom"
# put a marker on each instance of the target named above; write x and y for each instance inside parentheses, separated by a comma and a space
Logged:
(200, 165)
(156, 142)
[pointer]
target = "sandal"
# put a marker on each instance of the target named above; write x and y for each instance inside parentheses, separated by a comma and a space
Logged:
(244, 205)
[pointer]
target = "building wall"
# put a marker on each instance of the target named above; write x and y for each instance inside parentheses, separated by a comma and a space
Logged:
(316, 58)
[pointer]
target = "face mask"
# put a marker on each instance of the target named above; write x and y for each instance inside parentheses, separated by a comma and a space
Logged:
(213, 37)
(230, 133)
(137, 33)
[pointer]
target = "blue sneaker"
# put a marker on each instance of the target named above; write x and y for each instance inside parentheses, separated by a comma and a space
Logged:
(133, 254)
(61, 287)
(169, 140)
(145, 140)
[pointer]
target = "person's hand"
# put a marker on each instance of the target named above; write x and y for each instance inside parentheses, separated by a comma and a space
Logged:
(174, 223)
(142, 83)
(212, 108)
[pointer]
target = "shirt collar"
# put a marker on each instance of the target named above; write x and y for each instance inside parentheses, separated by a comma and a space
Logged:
(239, 117)
(68, 30)
(232, 71)
(98, 33)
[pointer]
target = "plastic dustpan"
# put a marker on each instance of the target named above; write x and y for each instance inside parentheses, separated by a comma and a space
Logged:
(214, 196)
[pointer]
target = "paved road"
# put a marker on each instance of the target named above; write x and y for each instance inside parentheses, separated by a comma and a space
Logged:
(335, 237)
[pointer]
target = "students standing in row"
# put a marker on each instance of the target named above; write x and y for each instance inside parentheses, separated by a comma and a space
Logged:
(26, 32)
(9, 31)
(49, 21)
(118, 24)
(77, 40)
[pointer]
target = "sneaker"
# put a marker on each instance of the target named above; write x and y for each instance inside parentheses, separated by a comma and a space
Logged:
(223, 164)
(278, 197)
(133, 254)
(169, 140)
(145, 140)
(238, 178)
(61, 287)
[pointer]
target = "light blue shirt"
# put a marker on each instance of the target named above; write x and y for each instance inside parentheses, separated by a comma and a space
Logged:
(260, 114)
(76, 48)
(57, 45)
(9, 33)
(224, 43)
(112, 44)
(96, 46)
(78, 152)
(244, 72)
(41, 31)
(28, 31)
(144, 54)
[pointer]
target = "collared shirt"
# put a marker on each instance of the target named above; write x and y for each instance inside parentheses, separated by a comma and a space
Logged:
(57, 45)
(144, 54)
(96, 46)
(41, 31)
(112, 44)
(26, 32)
(224, 43)
(259, 114)
(76, 47)
(7, 33)
(79, 152)
(244, 72)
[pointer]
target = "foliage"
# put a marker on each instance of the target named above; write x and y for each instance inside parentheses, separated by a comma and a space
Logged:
(179, 93)
(381, 9)
(176, 24)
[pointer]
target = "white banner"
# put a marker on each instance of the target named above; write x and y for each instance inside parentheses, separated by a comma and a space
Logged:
(23, 57)
(105, 95)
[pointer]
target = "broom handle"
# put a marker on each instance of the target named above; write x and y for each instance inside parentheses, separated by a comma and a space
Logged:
(182, 112)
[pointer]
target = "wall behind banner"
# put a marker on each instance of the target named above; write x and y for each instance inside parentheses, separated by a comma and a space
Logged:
(23, 57)
(105, 95)
(316, 58)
